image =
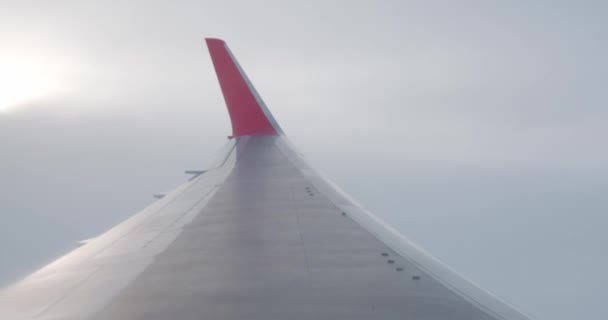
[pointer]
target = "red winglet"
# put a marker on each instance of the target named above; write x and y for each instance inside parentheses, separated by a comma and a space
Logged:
(246, 108)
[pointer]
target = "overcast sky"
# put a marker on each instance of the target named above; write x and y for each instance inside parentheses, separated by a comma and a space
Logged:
(477, 128)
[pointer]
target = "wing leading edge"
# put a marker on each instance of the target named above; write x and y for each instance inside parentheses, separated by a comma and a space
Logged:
(258, 235)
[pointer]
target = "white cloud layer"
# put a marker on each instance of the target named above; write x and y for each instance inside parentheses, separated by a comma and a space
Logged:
(477, 128)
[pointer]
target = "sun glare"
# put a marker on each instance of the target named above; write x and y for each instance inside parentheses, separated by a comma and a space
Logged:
(22, 81)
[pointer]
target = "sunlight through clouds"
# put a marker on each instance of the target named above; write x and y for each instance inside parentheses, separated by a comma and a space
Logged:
(24, 79)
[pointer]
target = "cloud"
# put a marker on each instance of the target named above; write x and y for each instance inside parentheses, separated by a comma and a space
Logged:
(475, 128)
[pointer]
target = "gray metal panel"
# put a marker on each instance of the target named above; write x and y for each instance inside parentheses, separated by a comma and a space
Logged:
(270, 246)
(259, 235)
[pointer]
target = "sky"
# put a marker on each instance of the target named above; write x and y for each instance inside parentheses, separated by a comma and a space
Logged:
(476, 128)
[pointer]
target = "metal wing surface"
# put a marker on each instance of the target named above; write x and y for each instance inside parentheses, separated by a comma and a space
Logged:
(258, 235)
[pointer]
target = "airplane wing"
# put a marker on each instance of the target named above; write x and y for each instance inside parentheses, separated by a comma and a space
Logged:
(257, 235)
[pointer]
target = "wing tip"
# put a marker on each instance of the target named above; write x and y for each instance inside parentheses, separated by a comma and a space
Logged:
(211, 40)
(247, 111)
